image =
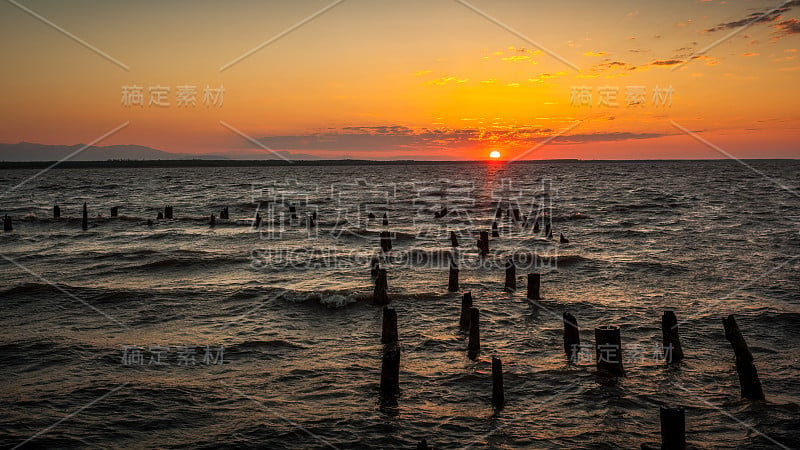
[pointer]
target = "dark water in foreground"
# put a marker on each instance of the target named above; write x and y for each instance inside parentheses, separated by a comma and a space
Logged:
(301, 345)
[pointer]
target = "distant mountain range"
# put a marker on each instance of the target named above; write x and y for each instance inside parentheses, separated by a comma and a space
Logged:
(28, 151)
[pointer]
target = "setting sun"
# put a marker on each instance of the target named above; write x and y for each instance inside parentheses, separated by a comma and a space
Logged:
(494, 154)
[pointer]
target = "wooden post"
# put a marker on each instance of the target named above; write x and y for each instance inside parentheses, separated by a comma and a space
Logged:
(453, 239)
(85, 220)
(748, 375)
(389, 335)
(258, 221)
(312, 220)
(498, 396)
(673, 352)
(423, 445)
(516, 214)
(114, 211)
(474, 345)
(374, 267)
(534, 279)
(385, 220)
(168, 212)
(452, 284)
(511, 276)
(224, 214)
(390, 375)
(673, 428)
(548, 230)
(563, 239)
(536, 226)
(495, 231)
(608, 350)
(292, 211)
(213, 221)
(161, 216)
(381, 286)
(483, 243)
(7, 226)
(572, 337)
(386, 241)
(56, 211)
(466, 305)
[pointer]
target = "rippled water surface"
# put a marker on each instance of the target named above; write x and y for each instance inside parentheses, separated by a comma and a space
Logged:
(290, 305)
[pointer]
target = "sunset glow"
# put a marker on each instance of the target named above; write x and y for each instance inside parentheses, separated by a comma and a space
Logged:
(494, 154)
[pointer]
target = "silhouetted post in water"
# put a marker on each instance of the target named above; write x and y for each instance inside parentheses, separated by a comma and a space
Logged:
(213, 220)
(748, 375)
(673, 352)
(453, 239)
(498, 212)
(423, 445)
(390, 375)
(168, 212)
(312, 220)
(149, 222)
(608, 350)
(548, 230)
(466, 305)
(7, 226)
(114, 211)
(370, 216)
(495, 231)
(85, 220)
(511, 276)
(56, 212)
(292, 211)
(374, 267)
(563, 239)
(533, 286)
(224, 213)
(673, 428)
(572, 337)
(498, 396)
(381, 286)
(452, 284)
(258, 221)
(385, 220)
(516, 214)
(536, 226)
(483, 243)
(474, 345)
(160, 216)
(389, 335)
(386, 241)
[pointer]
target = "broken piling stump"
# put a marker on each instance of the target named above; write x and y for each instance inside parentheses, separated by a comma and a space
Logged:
(56, 211)
(292, 211)
(453, 239)
(160, 216)
(423, 445)
(374, 267)
(389, 334)
(452, 283)
(224, 213)
(498, 396)
(114, 211)
(673, 428)
(608, 351)
(673, 352)
(386, 241)
(213, 221)
(748, 375)
(511, 276)
(563, 239)
(258, 221)
(466, 305)
(495, 231)
(385, 220)
(572, 337)
(7, 225)
(380, 296)
(85, 219)
(168, 212)
(390, 375)
(534, 279)
(483, 243)
(474, 345)
(536, 226)
(548, 230)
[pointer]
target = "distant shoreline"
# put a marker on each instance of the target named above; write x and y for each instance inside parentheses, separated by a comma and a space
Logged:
(7, 165)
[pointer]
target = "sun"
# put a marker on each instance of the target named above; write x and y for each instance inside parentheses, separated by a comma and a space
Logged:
(494, 154)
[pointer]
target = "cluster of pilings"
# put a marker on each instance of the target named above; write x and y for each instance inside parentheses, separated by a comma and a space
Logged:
(607, 345)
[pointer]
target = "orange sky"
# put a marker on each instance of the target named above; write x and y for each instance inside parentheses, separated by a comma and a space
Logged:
(409, 80)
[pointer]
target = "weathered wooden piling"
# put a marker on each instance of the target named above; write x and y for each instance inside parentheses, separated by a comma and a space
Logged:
(168, 212)
(7, 225)
(312, 220)
(562, 239)
(452, 283)
(385, 220)
(483, 243)
(389, 334)
(495, 231)
(498, 396)
(608, 350)
(423, 445)
(748, 375)
(85, 219)
(149, 222)
(534, 280)
(390, 375)
(548, 230)
(374, 266)
(56, 211)
(498, 212)
(114, 211)
(572, 337)
(213, 221)
(515, 211)
(370, 216)
(536, 226)
(673, 351)
(673, 428)
(474, 345)
(224, 214)
(466, 305)
(258, 221)
(511, 276)
(386, 241)
(292, 211)
(381, 287)
(160, 216)
(453, 239)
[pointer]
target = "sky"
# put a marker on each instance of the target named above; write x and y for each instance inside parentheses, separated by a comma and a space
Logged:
(435, 79)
